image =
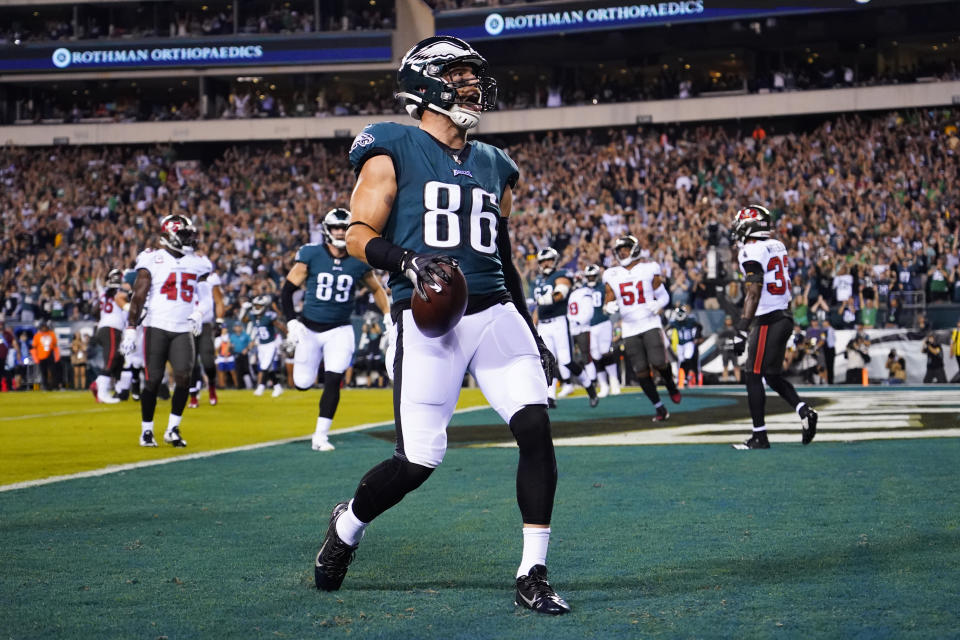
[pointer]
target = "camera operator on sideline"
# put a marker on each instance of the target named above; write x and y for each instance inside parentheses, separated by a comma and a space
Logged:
(934, 353)
(857, 353)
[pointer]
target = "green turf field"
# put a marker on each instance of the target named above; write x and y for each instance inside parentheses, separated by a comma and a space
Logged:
(845, 538)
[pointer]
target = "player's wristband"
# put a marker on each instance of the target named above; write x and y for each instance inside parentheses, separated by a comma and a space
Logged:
(383, 254)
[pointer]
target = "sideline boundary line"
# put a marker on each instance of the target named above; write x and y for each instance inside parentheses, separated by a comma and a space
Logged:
(117, 468)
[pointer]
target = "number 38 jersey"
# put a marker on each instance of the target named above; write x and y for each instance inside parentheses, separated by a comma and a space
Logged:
(633, 289)
(173, 287)
(443, 205)
(331, 284)
(771, 255)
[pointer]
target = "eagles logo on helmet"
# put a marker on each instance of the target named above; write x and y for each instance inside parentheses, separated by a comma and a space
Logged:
(260, 304)
(547, 254)
(753, 222)
(592, 274)
(422, 85)
(627, 242)
(178, 233)
(338, 218)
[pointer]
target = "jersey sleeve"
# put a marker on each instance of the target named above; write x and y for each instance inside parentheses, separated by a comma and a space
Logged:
(213, 279)
(144, 260)
(302, 255)
(508, 168)
(378, 139)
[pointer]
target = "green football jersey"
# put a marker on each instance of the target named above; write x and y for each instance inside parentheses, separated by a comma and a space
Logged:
(331, 284)
(447, 202)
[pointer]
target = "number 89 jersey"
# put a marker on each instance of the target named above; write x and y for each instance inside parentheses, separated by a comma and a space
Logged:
(771, 255)
(444, 205)
(330, 285)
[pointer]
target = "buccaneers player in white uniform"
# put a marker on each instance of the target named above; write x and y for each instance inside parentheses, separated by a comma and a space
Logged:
(166, 282)
(110, 324)
(636, 289)
(763, 262)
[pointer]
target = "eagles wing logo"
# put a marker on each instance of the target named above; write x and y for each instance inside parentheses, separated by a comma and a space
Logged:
(362, 140)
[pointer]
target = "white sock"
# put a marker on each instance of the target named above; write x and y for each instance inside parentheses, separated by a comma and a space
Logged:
(758, 429)
(146, 426)
(323, 427)
(103, 385)
(535, 543)
(173, 421)
(800, 406)
(126, 378)
(349, 528)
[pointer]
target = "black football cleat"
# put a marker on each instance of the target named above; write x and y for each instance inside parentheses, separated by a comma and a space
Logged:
(334, 556)
(808, 417)
(592, 394)
(146, 439)
(172, 436)
(536, 594)
(755, 442)
(662, 414)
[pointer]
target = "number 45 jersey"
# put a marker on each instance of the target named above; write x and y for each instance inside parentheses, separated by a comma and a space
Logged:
(448, 202)
(771, 255)
(173, 287)
(330, 285)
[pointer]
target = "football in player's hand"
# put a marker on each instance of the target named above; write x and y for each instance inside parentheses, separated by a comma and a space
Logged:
(442, 311)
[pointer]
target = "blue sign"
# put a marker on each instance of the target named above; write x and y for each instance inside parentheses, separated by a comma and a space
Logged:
(208, 52)
(589, 15)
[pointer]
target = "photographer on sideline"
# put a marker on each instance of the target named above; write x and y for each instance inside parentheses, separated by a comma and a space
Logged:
(897, 368)
(857, 353)
(934, 353)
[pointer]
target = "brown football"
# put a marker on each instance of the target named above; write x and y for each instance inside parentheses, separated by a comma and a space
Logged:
(441, 313)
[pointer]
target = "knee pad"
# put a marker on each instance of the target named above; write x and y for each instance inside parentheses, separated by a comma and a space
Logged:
(385, 485)
(531, 427)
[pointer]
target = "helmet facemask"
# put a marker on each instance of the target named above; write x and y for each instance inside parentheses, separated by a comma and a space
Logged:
(592, 275)
(623, 243)
(115, 278)
(753, 222)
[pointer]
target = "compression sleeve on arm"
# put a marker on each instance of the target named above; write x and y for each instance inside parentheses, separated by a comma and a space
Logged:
(511, 275)
(286, 299)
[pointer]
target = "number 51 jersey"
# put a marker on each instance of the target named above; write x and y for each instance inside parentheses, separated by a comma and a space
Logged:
(771, 255)
(173, 287)
(444, 205)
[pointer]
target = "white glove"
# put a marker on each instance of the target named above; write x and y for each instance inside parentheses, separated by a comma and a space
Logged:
(295, 330)
(611, 308)
(652, 307)
(387, 324)
(196, 321)
(545, 298)
(128, 344)
(246, 305)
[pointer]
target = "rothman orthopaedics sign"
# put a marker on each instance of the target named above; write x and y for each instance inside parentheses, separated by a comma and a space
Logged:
(533, 20)
(208, 52)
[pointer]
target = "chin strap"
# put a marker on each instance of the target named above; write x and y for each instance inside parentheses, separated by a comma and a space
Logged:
(461, 117)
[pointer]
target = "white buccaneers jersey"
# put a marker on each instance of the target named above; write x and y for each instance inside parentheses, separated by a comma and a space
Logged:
(111, 315)
(206, 295)
(173, 288)
(772, 257)
(634, 293)
(580, 310)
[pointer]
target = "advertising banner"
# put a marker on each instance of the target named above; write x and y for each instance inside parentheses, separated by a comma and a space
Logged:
(234, 51)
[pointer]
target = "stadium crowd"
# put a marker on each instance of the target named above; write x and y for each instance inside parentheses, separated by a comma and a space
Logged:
(201, 21)
(866, 205)
(585, 87)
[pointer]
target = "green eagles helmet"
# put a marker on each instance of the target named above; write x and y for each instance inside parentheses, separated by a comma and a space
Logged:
(338, 218)
(422, 86)
(547, 254)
